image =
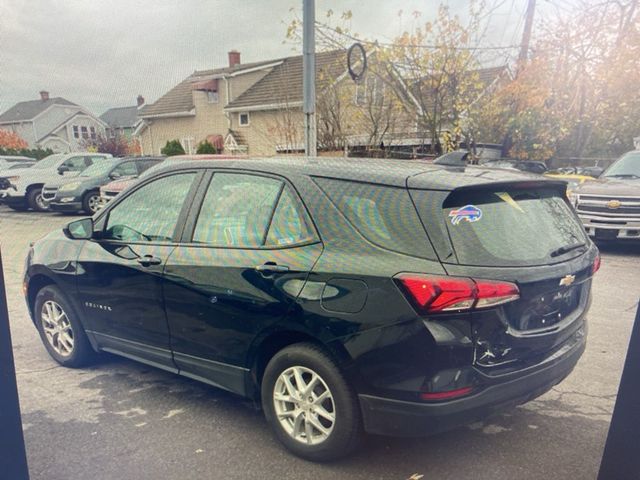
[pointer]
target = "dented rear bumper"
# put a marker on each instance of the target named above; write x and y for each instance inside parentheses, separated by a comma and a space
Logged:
(496, 394)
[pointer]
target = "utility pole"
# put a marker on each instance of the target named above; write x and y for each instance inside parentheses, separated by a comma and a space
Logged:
(309, 76)
(526, 35)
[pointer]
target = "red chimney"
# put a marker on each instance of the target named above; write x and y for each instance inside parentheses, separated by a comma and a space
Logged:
(140, 100)
(44, 95)
(234, 58)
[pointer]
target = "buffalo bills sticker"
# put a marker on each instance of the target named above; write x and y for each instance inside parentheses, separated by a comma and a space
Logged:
(469, 213)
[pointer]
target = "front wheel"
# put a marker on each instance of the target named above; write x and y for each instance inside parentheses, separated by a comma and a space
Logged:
(309, 404)
(60, 329)
(35, 200)
(91, 202)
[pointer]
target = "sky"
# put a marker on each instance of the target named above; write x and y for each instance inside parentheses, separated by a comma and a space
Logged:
(102, 54)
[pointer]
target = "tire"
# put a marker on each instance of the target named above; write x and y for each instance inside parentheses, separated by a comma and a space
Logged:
(34, 200)
(91, 202)
(72, 350)
(340, 436)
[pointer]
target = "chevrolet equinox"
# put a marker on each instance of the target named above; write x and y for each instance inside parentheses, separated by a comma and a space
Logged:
(344, 295)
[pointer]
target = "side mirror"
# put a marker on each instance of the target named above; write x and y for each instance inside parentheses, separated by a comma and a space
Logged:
(80, 229)
(114, 175)
(62, 169)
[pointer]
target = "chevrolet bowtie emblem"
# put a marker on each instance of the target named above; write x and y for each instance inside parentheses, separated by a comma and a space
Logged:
(567, 280)
(613, 204)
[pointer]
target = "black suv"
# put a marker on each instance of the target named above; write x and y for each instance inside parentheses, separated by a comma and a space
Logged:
(346, 295)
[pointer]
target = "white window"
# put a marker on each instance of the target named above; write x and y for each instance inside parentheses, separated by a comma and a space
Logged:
(243, 119)
(76, 131)
(93, 132)
(371, 90)
(188, 145)
(212, 97)
(85, 132)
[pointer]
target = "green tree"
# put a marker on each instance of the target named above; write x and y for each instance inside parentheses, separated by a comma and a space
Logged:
(206, 147)
(173, 147)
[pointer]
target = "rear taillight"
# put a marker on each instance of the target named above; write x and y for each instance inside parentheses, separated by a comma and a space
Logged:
(433, 294)
(596, 265)
(448, 395)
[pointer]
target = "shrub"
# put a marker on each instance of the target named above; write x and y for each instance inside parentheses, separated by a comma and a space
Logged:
(206, 147)
(172, 147)
(37, 153)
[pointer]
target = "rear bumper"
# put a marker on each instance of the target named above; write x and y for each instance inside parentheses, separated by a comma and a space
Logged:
(385, 416)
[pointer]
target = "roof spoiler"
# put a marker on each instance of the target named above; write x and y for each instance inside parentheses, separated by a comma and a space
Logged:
(560, 185)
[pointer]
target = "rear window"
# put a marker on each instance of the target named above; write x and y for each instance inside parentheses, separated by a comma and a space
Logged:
(384, 215)
(518, 227)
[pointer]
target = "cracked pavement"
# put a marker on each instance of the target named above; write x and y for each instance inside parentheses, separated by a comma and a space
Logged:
(119, 419)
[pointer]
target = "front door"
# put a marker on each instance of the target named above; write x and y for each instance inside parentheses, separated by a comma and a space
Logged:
(120, 273)
(245, 259)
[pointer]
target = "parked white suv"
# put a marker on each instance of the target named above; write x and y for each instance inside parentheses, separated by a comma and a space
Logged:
(22, 188)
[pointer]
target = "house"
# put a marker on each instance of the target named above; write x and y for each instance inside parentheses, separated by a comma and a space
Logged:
(256, 109)
(54, 123)
(122, 120)
(193, 111)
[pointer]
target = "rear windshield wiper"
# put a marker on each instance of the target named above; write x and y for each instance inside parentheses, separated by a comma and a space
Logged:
(566, 249)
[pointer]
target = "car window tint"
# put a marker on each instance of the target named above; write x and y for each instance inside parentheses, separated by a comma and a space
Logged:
(76, 164)
(125, 169)
(236, 210)
(290, 225)
(509, 227)
(384, 215)
(144, 165)
(150, 213)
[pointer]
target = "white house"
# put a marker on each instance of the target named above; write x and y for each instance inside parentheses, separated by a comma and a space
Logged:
(54, 123)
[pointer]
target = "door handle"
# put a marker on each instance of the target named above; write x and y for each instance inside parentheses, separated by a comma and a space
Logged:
(272, 267)
(149, 260)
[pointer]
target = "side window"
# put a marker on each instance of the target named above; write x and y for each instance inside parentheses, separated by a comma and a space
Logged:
(236, 210)
(144, 165)
(384, 215)
(76, 164)
(290, 224)
(150, 214)
(125, 169)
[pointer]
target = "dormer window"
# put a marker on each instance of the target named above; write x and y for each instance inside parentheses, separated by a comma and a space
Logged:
(212, 96)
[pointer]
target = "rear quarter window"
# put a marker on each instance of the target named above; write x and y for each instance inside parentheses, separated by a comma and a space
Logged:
(383, 215)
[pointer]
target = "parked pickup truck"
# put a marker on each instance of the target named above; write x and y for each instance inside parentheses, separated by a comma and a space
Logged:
(21, 188)
(609, 206)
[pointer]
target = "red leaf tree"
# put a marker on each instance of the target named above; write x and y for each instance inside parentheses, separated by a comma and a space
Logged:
(11, 140)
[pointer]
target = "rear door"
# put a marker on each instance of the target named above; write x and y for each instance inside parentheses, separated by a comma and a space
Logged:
(248, 248)
(522, 234)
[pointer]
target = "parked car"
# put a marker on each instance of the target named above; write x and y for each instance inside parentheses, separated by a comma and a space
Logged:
(342, 295)
(11, 162)
(573, 180)
(110, 190)
(21, 189)
(523, 165)
(609, 206)
(82, 192)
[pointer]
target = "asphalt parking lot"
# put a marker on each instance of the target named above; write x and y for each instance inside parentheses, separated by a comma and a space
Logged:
(120, 419)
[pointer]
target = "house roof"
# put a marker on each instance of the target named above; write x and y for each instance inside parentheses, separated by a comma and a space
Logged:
(24, 111)
(283, 84)
(120, 117)
(180, 99)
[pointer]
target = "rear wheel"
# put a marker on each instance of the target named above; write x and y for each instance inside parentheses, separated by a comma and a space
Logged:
(60, 329)
(308, 403)
(91, 202)
(35, 200)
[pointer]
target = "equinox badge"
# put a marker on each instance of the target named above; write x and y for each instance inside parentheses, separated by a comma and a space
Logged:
(567, 280)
